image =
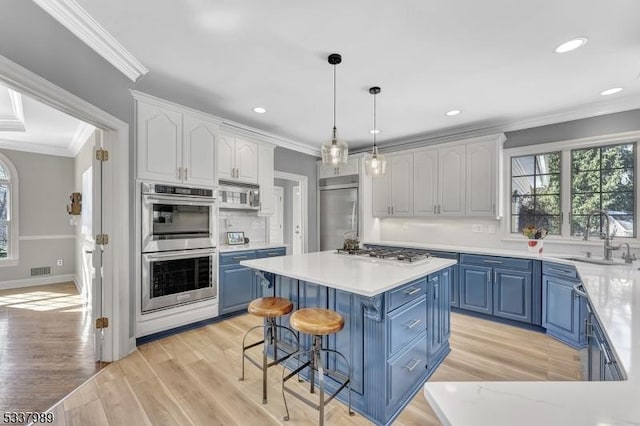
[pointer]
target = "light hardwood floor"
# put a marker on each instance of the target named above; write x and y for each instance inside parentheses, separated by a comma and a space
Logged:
(192, 378)
(46, 346)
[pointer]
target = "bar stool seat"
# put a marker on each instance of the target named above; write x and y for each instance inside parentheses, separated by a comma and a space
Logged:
(269, 308)
(317, 322)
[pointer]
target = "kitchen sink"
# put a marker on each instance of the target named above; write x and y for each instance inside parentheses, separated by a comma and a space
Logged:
(595, 261)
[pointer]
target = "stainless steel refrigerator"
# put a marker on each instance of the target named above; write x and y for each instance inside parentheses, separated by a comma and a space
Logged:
(338, 210)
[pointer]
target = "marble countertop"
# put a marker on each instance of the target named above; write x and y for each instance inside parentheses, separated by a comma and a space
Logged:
(614, 293)
(224, 248)
(359, 275)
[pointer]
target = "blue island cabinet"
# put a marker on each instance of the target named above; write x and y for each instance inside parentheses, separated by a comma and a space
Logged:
(393, 341)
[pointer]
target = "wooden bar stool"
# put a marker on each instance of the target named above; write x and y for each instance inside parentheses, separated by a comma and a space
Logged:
(269, 308)
(317, 322)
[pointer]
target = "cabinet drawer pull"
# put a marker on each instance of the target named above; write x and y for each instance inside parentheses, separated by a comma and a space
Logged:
(411, 291)
(273, 254)
(412, 323)
(411, 366)
(493, 261)
(240, 257)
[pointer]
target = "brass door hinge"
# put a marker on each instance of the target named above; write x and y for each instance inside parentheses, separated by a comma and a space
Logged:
(102, 322)
(102, 155)
(102, 239)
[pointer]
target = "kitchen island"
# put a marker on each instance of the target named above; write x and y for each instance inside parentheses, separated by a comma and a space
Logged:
(396, 316)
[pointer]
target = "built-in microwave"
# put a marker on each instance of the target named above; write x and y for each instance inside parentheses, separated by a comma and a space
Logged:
(236, 195)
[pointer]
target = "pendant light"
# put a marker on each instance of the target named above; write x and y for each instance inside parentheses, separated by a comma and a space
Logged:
(375, 164)
(334, 151)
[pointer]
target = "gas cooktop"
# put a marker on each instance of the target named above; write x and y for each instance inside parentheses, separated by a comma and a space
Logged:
(392, 254)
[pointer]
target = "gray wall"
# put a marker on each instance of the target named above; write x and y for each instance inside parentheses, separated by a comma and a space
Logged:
(290, 161)
(45, 183)
(605, 124)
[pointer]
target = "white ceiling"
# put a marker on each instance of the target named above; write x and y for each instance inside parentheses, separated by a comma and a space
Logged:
(492, 59)
(46, 130)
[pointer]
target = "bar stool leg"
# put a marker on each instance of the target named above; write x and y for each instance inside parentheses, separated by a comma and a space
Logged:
(317, 354)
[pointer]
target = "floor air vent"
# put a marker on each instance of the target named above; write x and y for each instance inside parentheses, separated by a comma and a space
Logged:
(42, 270)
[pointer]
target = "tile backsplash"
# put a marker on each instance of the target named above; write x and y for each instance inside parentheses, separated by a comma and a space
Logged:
(253, 226)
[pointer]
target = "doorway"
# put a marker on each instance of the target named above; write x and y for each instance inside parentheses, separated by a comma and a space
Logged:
(117, 339)
(291, 200)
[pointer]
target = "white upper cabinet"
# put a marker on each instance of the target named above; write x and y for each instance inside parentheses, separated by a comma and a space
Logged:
(159, 143)
(401, 185)
(425, 182)
(451, 178)
(237, 159)
(198, 151)
(351, 168)
(174, 146)
(392, 193)
(265, 179)
(482, 178)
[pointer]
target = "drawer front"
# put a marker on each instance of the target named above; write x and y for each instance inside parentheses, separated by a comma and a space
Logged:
(500, 262)
(279, 251)
(236, 257)
(406, 293)
(559, 270)
(444, 254)
(407, 323)
(407, 370)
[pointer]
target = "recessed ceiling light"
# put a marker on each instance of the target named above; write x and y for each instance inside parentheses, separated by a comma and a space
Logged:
(571, 45)
(453, 112)
(374, 131)
(611, 91)
(259, 110)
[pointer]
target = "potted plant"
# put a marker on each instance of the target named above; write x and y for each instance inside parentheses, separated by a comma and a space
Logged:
(535, 236)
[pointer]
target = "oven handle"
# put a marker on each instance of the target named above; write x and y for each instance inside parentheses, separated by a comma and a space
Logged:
(180, 199)
(178, 254)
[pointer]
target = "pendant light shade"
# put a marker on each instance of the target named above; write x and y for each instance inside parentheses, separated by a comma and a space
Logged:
(375, 164)
(334, 151)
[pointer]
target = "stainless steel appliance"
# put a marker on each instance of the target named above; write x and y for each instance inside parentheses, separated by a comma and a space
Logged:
(338, 210)
(241, 196)
(178, 244)
(175, 277)
(403, 255)
(177, 218)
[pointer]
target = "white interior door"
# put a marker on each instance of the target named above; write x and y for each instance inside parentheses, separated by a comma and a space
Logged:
(297, 228)
(276, 221)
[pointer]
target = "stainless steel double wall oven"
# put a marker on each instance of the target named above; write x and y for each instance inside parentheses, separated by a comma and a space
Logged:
(178, 245)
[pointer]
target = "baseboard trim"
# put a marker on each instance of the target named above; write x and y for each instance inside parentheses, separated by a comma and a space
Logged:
(31, 282)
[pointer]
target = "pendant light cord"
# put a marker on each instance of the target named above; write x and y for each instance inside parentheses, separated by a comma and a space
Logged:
(375, 129)
(334, 104)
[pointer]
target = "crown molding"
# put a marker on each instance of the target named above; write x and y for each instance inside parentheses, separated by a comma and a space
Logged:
(488, 128)
(77, 20)
(229, 125)
(13, 122)
(82, 134)
(36, 148)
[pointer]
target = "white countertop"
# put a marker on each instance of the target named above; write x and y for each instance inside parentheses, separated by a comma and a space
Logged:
(614, 292)
(223, 248)
(359, 275)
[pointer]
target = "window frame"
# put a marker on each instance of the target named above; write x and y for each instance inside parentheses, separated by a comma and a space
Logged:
(509, 202)
(565, 147)
(14, 226)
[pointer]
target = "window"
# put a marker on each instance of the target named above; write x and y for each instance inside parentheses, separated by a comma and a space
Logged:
(535, 192)
(5, 216)
(570, 181)
(8, 212)
(602, 178)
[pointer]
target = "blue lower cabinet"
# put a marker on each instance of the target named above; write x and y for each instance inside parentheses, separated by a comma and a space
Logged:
(512, 294)
(454, 287)
(405, 369)
(237, 288)
(272, 252)
(563, 310)
(476, 290)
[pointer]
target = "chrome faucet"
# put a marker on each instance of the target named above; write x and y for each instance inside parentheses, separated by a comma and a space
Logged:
(628, 257)
(605, 235)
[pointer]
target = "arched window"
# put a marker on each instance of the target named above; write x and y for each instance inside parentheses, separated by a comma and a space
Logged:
(8, 212)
